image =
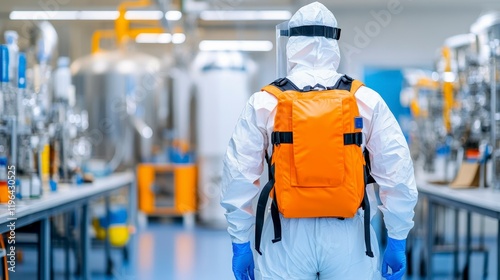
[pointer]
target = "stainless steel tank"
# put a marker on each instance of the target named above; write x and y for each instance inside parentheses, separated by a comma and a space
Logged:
(487, 29)
(468, 85)
(463, 52)
(120, 90)
(222, 90)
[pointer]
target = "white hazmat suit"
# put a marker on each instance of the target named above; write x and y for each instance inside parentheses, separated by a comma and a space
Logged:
(324, 248)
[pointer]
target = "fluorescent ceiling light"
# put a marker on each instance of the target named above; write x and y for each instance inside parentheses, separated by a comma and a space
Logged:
(93, 15)
(154, 38)
(97, 15)
(173, 15)
(164, 38)
(143, 15)
(449, 77)
(246, 15)
(178, 38)
(43, 15)
(160, 38)
(228, 45)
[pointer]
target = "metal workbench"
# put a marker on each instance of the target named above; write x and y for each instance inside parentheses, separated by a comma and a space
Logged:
(480, 201)
(68, 198)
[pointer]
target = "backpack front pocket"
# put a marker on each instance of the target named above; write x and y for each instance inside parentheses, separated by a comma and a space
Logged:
(318, 143)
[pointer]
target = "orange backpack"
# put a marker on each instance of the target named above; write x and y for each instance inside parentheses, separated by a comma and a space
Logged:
(317, 168)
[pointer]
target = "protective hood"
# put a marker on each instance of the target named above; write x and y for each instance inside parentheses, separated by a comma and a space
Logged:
(312, 53)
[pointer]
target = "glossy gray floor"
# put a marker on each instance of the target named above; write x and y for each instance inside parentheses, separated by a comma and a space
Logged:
(166, 251)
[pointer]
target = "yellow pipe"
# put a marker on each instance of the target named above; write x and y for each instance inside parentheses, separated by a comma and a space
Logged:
(426, 83)
(96, 38)
(122, 29)
(122, 25)
(134, 4)
(447, 91)
(422, 83)
(415, 108)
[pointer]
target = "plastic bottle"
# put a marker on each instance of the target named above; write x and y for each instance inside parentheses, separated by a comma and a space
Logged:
(3, 55)
(8, 98)
(36, 186)
(21, 86)
(62, 79)
(11, 38)
(4, 188)
(24, 187)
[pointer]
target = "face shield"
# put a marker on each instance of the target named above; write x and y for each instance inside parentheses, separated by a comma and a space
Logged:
(284, 32)
(281, 41)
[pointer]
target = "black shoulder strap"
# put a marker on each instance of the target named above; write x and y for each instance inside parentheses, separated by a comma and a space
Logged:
(344, 83)
(370, 179)
(261, 211)
(366, 204)
(368, 242)
(268, 161)
(285, 84)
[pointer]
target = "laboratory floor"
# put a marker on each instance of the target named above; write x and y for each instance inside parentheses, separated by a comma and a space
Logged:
(167, 251)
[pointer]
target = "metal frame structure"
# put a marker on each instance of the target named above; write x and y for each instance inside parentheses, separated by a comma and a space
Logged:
(79, 198)
(479, 201)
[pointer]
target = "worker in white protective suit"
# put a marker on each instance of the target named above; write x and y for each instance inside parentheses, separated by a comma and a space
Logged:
(318, 248)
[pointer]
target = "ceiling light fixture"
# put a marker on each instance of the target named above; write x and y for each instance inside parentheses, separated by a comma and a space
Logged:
(43, 15)
(178, 38)
(230, 45)
(160, 38)
(154, 38)
(93, 15)
(245, 15)
(173, 15)
(97, 15)
(143, 15)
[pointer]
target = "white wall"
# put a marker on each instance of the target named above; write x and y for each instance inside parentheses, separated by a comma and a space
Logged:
(409, 38)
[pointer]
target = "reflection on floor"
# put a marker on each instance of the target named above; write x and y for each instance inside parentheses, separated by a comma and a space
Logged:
(166, 251)
(443, 263)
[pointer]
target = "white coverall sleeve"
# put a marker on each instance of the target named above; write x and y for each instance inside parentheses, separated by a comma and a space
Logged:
(391, 167)
(243, 166)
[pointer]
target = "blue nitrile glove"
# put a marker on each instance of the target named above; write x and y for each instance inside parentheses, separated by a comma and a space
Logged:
(395, 258)
(243, 261)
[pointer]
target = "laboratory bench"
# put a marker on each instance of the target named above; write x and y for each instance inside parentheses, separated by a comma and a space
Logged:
(481, 201)
(70, 197)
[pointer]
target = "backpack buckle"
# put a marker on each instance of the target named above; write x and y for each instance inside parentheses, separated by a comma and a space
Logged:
(281, 82)
(275, 138)
(317, 87)
(347, 79)
(307, 88)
